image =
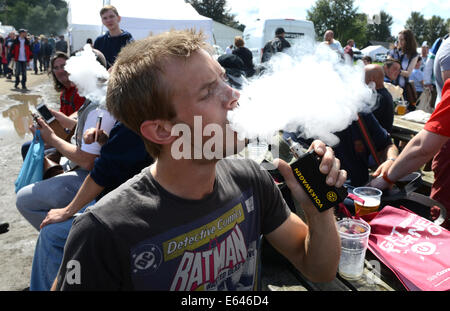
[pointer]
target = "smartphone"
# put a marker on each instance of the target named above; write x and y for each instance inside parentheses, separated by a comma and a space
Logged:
(45, 113)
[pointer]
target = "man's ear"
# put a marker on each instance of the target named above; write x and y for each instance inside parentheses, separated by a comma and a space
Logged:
(157, 131)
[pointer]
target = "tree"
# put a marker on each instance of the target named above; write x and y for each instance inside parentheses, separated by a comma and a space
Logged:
(435, 27)
(36, 20)
(341, 17)
(417, 24)
(216, 10)
(38, 16)
(381, 32)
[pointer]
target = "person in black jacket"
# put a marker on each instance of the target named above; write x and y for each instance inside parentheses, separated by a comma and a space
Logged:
(277, 44)
(47, 51)
(245, 54)
(115, 38)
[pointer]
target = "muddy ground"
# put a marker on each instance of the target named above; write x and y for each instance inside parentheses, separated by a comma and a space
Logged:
(17, 245)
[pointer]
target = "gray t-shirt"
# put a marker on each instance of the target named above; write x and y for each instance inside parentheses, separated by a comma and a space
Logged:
(141, 237)
(441, 63)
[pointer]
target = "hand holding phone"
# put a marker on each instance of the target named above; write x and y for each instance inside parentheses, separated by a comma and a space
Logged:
(45, 113)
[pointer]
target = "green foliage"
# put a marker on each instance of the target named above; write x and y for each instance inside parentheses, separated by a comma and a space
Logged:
(436, 27)
(215, 9)
(38, 16)
(427, 29)
(417, 24)
(381, 32)
(341, 17)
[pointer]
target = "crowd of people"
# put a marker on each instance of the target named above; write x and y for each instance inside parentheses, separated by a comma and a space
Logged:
(21, 51)
(134, 216)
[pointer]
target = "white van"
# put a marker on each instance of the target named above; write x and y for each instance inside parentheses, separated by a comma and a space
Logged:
(262, 31)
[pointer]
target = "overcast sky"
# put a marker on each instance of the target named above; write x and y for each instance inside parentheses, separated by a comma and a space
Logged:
(248, 10)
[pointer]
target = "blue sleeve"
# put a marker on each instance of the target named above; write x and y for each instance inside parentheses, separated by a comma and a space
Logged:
(97, 43)
(122, 157)
(435, 46)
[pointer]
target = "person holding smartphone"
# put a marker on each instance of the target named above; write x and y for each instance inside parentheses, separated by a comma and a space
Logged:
(70, 100)
(35, 200)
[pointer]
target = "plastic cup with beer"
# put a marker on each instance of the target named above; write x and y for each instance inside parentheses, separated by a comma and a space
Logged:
(354, 234)
(371, 198)
(401, 108)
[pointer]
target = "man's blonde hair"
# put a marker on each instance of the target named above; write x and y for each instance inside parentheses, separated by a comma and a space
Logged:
(137, 90)
(109, 8)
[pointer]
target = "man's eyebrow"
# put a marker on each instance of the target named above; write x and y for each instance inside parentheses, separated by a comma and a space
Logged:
(207, 85)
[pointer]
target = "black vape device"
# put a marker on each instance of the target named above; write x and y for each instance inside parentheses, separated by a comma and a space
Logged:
(306, 171)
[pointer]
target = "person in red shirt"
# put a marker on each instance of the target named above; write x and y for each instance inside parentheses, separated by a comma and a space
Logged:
(433, 140)
(348, 48)
(21, 52)
(70, 100)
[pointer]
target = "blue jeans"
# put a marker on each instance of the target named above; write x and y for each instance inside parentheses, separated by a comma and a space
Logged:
(21, 69)
(35, 200)
(49, 253)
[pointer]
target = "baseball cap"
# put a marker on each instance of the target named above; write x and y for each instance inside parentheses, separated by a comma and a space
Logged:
(279, 31)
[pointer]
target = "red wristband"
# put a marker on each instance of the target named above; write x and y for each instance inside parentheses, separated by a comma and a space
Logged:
(387, 179)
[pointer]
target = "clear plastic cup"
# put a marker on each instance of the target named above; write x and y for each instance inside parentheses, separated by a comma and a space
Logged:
(257, 150)
(354, 235)
(401, 108)
(371, 197)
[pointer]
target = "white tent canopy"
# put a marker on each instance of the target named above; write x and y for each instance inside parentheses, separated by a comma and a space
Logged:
(140, 18)
(373, 50)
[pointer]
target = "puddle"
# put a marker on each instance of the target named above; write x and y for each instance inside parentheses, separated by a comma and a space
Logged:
(16, 109)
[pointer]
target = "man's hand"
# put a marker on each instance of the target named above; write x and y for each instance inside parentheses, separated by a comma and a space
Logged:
(378, 181)
(56, 215)
(47, 133)
(383, 168)
(329, 166)
(89, 136)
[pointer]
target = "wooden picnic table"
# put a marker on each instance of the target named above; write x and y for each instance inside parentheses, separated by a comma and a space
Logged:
(279, 275)
(407, 126)
(404, 130)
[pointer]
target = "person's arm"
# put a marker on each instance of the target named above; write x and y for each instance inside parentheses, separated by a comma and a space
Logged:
(406, 73)
(88, 191)
(68, 150)
(314, 248)
(390, 154)
(53, 288)
(417, 152)
(428, 72)
(65, 121)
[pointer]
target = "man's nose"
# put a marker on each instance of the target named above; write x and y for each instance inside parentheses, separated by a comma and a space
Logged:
(232, 99)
